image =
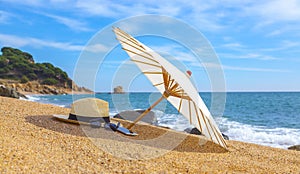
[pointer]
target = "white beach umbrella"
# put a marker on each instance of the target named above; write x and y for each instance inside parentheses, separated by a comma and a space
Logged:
(173, 84)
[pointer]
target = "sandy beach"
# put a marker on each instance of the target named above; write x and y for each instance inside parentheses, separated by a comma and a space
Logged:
(33, 142)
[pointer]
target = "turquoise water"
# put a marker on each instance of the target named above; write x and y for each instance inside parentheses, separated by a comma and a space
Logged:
(266, 118)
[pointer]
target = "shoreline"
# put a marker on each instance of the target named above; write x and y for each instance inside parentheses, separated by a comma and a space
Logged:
(255, 138)
(67, 92)
(32, 141)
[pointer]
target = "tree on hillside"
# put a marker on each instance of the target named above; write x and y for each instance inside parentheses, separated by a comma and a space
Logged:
(16, 64)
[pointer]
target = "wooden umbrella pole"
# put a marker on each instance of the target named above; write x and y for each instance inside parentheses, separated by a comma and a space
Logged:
(146, 112)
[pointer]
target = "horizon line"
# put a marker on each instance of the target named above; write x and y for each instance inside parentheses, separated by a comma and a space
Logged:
(204, 91)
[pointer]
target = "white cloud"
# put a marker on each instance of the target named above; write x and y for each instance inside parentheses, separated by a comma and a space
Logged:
(254, 56)
(275, 33)
(280, 10)
(253, 69)
(15, 41)
(289, 44)
(207, 15)
(233, 45)
(268, 14)
(125, 9)
(242, 51)
(239, 68)
(98, 8)
(26, 2)
(283, 45)
(200, 14)
(4, 16)
(73, 24)
(96, 48)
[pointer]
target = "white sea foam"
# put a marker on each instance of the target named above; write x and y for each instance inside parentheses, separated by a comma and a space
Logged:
(112, 113)
(276, 137)
(63, 106)
(32, 98)
(173, 121)
(45, 100)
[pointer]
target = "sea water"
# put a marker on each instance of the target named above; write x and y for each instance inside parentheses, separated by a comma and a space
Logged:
(266, 118)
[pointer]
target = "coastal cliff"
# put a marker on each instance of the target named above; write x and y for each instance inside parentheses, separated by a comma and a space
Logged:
(35, 87)
(19, 72)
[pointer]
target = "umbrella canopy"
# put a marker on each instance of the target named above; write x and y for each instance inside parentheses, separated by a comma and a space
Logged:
(173, 84)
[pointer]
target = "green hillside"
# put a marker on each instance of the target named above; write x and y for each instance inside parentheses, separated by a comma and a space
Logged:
(18, 65)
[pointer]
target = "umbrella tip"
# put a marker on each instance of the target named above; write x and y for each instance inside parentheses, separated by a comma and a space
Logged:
(189, 73)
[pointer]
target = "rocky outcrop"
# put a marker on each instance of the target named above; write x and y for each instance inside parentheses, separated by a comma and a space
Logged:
(132, 115)
(295, 147)
(118, 90)
(197, 132)
(35, 87)
(226, 137)
(193, 131)
(10, 92)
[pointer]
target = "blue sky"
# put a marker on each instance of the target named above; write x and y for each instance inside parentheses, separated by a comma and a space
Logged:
(257, 42)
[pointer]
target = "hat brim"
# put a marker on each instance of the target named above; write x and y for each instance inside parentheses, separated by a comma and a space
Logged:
(65, 118)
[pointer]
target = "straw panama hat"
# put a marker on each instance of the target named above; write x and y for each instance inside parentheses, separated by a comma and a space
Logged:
(93, 112)
(84, 111)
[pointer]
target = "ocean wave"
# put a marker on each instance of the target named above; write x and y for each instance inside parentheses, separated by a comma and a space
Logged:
(44, 99)
(173, 121)
(32, 98)
(112, 113)
(274, 137)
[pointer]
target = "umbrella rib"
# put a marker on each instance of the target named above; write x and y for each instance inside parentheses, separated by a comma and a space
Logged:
(181, 96)
(190, 113)
(169, 80)
(165, 77)
(139, 55)
(127, 36)
(122, 32)
(218, 135)
(204, 119)
(222, 139)
(172, 81)
(158, 84)
(199, 123)
(151, 72)
(174, 87)
(140, 50)
(179, 91)
(136, 47)
(129, 39)
(180, 104)
(145, 63)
